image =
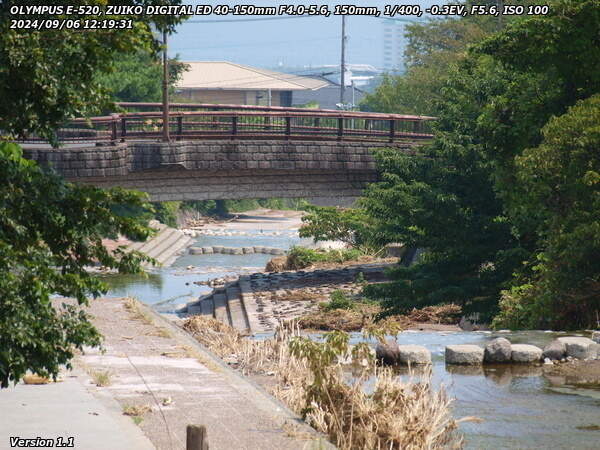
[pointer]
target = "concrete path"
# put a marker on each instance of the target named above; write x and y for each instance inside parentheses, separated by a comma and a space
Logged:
(67, 409)
(155, 366)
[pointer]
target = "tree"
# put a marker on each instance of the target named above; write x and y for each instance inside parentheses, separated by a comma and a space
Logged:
(561, 178)
(48, 77)
(138, 77)
(350, 225)
(50, 230)
(472, 198)
(432, 47)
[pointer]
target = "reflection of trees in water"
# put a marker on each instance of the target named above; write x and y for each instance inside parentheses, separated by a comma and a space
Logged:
(124, 281)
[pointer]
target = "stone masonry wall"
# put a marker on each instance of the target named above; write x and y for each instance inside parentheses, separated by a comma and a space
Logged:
(222, 169)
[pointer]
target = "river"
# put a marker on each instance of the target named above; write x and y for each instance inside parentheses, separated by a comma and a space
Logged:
(520, 408)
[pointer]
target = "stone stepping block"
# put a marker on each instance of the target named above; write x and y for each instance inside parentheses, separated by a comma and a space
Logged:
(218, 249)
(258, 249)
(388, 352)
(414, 354)
(555, 350)
(248, 250)
(524, 353)
(196, 251)
(580, 347)
(207, 250)
(596, 337)
(464, 354)
(497, 351)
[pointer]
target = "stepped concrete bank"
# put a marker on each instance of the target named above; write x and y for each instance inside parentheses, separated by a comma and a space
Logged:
(253, 303)
(165, 246)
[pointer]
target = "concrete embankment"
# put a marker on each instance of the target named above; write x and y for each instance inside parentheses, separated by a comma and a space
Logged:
(165, 245)
(255, 303)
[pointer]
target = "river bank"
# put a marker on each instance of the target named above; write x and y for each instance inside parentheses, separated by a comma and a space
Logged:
(522, 406)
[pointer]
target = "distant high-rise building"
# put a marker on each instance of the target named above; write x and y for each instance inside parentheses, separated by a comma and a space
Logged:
(393, 45)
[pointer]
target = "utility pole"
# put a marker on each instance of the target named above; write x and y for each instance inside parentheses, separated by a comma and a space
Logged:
(165, 99)
(343, 62)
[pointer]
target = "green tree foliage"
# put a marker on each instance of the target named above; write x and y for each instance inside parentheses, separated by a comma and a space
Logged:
(166, 212)
(431, 48)
(562, 180)
(47, 77)
(350, 225)
(472, 198)
(50, 230)
(138, 77)
(443, 200)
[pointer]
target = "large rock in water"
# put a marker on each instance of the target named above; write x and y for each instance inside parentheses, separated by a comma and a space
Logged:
(580, 347)
(596, 337)
(523, 353)
(555, 350)
(388, 352)
(464, 354)
(497, 351)
(414, 354)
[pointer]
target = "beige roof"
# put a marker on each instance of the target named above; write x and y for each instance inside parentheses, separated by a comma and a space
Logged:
(226, 75)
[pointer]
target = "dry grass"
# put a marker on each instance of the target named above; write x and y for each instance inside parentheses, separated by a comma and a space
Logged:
(136, 311)
(101, 378)
(36, 379)
(394, 415)
(136, 410)
(340, 319)
(363, 315)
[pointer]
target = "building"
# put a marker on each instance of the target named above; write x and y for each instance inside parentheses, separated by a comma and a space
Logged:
(328, 97)
(393, 45)
(230, 83)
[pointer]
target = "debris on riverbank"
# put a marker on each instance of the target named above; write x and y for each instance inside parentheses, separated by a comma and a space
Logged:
(363, 314)
(310, 379)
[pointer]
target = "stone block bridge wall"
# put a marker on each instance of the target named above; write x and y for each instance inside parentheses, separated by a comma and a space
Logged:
(224, 169)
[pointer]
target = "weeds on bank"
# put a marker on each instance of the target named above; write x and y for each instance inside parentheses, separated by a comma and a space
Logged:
(101, 378)
(309, 377)
(136, 412)
(136, 310)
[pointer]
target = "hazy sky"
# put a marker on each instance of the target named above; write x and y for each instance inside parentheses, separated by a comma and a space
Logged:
(291, 42)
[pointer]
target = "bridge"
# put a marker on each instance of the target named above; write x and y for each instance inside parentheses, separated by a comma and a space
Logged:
(229, 151)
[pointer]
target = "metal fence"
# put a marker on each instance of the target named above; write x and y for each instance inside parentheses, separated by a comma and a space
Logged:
(245, 122)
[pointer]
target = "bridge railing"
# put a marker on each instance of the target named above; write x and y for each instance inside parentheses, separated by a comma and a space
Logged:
(247, 122)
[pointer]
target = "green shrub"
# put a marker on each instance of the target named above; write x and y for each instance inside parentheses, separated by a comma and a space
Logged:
(339, 300)
(302, 257)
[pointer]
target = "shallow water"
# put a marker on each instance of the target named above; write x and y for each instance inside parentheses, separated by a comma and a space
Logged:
(170, 287)
(520, 408)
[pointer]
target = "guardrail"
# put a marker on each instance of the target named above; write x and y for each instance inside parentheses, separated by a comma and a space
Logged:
(245, 122)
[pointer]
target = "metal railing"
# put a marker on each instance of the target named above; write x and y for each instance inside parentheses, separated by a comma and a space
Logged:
(206, 122)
